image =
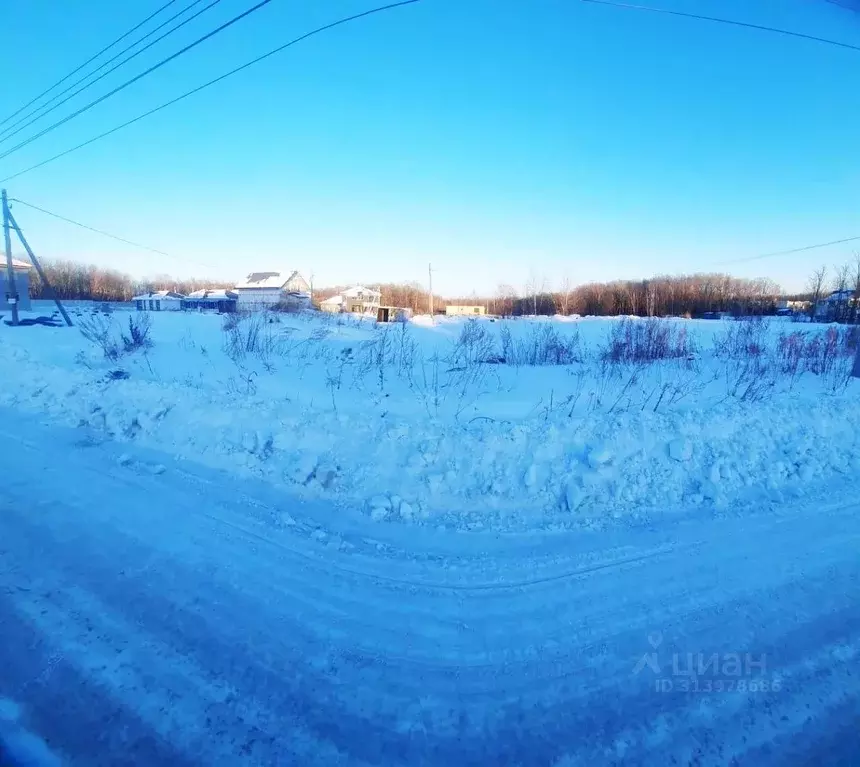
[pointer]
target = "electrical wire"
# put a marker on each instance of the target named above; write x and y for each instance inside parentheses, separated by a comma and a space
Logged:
(790, 252)
(46, 108)
(134, 79)
(844, 5)
(90, 228)
(88, 61)
(718, 20)
(199, 88)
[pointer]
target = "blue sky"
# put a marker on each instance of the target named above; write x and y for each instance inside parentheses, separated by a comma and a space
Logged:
(497, 139)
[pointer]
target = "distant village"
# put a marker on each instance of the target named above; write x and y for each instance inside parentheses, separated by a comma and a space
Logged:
(288, 291)
(699, 296)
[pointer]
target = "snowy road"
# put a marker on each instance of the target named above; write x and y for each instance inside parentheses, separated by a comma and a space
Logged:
(155, 612)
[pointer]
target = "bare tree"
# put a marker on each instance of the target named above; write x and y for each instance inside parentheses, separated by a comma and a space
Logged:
(815, 287)
(533, 286)
(506, 298)
(564, 295)
(840, 287)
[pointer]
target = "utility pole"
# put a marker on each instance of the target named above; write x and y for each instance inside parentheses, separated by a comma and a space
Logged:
(11, 290)
(49, 289)
(430, 274)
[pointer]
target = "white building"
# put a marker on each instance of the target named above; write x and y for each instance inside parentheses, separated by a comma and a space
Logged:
(332, 305)
(471, 311)
(263, 290)
(217, 300)
(159, 301)
(21, 273)
(361, 300)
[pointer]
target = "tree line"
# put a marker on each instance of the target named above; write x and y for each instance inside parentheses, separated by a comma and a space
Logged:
(85, 282)
(693, 295)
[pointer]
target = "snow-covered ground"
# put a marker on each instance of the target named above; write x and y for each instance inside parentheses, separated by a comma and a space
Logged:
(468, 424)
(311, 540)
(156, 612)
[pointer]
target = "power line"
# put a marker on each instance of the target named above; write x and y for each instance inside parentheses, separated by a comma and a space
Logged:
(134, 79)
(232, 72)
(90, 228)
(843, 4)
(790, 252)
(46, 109)
(718, 20)
(88, 61)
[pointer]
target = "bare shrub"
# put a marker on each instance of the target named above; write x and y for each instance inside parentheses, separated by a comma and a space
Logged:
(643, 341)
(816, 353)
(405, 349)
(791, 351)
(100, 330)
(139, 328)
(824, 351)
(105, 332)
(543, 345)
(249, 334)
(741, 339)
(474, 346)
(392, 348)
(839, 375)
(751, 380)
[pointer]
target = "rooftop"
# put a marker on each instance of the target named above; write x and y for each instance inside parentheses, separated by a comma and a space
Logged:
(158, 294)
(213, 295)
(265, 280)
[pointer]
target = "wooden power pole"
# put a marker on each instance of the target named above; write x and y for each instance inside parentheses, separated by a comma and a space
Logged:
(11, 289)
(9, 222)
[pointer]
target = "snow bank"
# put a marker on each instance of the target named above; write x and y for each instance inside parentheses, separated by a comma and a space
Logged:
(386, 421)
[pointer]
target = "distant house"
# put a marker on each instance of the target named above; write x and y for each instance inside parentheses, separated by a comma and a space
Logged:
(460, 311)
(263, 290)
(360, 300)
(792, 305)
(839, 302)
(21, 270)
(356, 300)
(159, 301)
(211, 300)
(332, 305)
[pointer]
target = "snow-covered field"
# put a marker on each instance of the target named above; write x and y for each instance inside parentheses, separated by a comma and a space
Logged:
(468, 423)
(293, 554)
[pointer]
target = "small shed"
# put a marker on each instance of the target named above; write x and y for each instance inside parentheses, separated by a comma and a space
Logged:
(223, 301)
(392, 314)
(21, 270)
(159, 301)
(459, 311)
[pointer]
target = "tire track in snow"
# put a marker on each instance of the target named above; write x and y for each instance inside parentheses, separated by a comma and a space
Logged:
(377, 669)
